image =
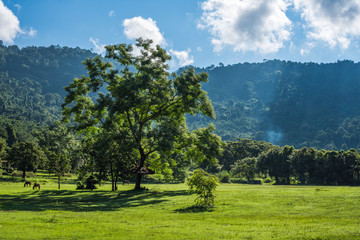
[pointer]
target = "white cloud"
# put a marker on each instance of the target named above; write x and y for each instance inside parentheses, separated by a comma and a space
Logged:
(247, 25)
(199, 49)
(112, 13)
(99, 48)
(183, 57)
(336, 22)
(9, 25)
(146, 28)
(32, 32)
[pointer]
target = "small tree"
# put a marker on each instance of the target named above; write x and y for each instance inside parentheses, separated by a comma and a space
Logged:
(246, 167)
(203, 184)
(58, 164)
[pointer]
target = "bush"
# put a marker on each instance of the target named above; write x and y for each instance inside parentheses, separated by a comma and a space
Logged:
(268, 180)
(239, 180)
(224, 177)
(80, 185)
(90, 182)
(203, 184)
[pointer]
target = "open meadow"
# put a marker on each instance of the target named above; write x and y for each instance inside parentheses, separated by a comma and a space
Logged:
(166, 211)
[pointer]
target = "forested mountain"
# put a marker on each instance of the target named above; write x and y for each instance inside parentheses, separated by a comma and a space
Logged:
(300, 104)
(32, 82)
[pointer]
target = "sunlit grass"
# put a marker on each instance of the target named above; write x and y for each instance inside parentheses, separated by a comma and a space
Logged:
(167, 212)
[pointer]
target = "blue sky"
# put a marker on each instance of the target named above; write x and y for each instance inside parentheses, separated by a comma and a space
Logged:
(194, 32)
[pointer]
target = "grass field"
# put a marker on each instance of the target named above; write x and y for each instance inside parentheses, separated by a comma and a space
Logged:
(166, 212)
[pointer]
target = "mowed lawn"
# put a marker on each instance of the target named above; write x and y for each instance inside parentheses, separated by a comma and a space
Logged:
(166, 211)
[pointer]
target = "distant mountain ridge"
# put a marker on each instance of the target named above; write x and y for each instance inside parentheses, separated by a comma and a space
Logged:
(300, 104)
(284, 102)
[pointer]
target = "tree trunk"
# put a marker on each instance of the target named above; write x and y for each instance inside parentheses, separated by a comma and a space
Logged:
(138, 181)
(58, 181)
(112, 177)
(23, 174)
(112, 184)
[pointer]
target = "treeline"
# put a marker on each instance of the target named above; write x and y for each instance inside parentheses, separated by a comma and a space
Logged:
(59, 151)
(251, 160)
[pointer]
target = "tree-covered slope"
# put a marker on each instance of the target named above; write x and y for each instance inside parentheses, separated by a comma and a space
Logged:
(301, 104)
(32, 82)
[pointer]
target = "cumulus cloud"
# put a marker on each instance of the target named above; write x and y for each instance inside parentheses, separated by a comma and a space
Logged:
(336, 22)
(98, 48)
(146, 28)
(9, 25)
(183, 57)
(247, 25)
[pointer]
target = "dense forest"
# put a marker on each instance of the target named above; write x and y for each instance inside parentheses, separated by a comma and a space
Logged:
(299, 104)
(32, 82)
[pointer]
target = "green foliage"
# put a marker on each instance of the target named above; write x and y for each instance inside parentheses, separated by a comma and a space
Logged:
(204, 185)
(90, 182)
(32, 81)
(59, 146)
(79, 185)
(240, 149)
(109, 158)
(26, 156)
(306, 104)
(224, 177)
(143, 110)
(275, 162)
(246, 167)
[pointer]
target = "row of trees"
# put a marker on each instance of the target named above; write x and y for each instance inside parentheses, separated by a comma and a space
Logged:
(250, 159)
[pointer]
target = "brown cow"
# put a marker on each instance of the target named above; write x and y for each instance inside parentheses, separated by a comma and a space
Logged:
(36, 185)
(27, 184)
(126, 181)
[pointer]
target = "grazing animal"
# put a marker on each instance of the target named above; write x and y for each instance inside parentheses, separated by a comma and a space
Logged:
(36, 185)
(126, 181)
(27, 184)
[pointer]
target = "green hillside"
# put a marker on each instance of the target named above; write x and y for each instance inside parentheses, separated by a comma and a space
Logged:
(300, 104)
(32, 82)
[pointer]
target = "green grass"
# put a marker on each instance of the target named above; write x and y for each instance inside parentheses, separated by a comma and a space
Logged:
(166, 211)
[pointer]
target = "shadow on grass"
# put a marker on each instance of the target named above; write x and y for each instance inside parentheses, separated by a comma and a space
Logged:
(82, 201)
(195, 209)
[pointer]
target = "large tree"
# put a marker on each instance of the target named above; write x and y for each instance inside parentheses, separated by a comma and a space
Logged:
(142, 106)
(26, 156)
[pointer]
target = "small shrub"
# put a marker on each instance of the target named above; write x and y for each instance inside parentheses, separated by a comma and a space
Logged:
(90, 183)
(79, 185)
(224, 177)
(239, 180)
(203, 184)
